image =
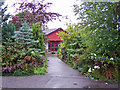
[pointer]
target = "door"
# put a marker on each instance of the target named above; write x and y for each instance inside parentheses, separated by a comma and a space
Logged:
(53, 46)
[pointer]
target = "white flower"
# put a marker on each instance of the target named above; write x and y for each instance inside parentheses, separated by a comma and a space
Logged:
(89, 70)
(106, 83)
(96, 67)
(111, 58)
(91, 57)
(94, 54)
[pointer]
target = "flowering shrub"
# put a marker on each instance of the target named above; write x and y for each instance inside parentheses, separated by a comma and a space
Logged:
(15, 58)
(21, 56)
(80, 51)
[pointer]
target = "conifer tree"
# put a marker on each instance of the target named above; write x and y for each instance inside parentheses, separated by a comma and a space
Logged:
(7, 31)
(38, 35)
(24, 36)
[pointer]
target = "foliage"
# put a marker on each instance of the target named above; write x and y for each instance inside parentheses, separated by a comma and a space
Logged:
(18, 19)
(101, 20)
(102, 36)
(95, 41)
(7, 31)
(25, 37)
(85, 68)
(38, 12)
(21, 57)
(4, 17)
(13, 58)
(73, 45)
(38, 35)
(39, 70)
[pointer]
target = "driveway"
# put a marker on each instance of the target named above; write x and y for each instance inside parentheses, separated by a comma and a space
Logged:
(59, 75)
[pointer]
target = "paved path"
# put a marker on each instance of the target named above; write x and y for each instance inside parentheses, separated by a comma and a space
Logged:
(59, 75)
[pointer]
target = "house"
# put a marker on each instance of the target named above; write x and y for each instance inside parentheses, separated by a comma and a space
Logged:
(53, 41)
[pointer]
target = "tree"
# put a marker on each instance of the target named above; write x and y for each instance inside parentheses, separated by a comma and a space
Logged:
(25, 37)
(7, 31)
(38, 12)
(21, 56)
(18, 19)
(38, 35)
(73, 45)
(7, 28)
(102, 19)
(101, 23)
(4, 17)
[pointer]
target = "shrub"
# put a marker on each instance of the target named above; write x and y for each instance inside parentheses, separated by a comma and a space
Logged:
(85, 68)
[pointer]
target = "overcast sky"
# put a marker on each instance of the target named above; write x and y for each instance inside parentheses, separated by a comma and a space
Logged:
(63, 7)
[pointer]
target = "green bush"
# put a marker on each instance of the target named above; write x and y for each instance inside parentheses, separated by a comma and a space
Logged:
(19, 58)
(40, 70)
(85, 68)
(7, 31)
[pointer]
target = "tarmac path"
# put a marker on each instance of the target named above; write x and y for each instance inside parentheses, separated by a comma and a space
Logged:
(59, 75)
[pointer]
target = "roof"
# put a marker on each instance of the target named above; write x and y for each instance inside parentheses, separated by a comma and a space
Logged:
(46, 31)
(49, 31)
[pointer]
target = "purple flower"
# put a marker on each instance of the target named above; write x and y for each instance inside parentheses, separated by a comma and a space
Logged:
(10, 63)
(14, 67)
(4, 68)
(32, 62)
(9, 69)
(19, 64)
(35, 63)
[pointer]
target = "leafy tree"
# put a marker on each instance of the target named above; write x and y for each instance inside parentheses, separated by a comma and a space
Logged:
(22, 14)
(18, 19)
(38, 35)
(72, 43)
(101, 23)
(102, 19)
(38, 12)
(98, 37)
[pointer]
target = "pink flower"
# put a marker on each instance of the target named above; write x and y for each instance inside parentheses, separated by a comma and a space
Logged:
(32, 63)
(19, 64)
(14, 67)
(9, 69)
(35, 63)
(10, 63)
(4, 68)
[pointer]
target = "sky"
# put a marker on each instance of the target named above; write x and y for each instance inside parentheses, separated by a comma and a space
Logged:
(63, 7)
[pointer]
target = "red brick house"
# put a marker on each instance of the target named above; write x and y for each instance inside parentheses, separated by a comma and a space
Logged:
(53, 40)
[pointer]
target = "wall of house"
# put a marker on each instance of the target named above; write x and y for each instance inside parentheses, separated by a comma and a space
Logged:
(53, 36)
